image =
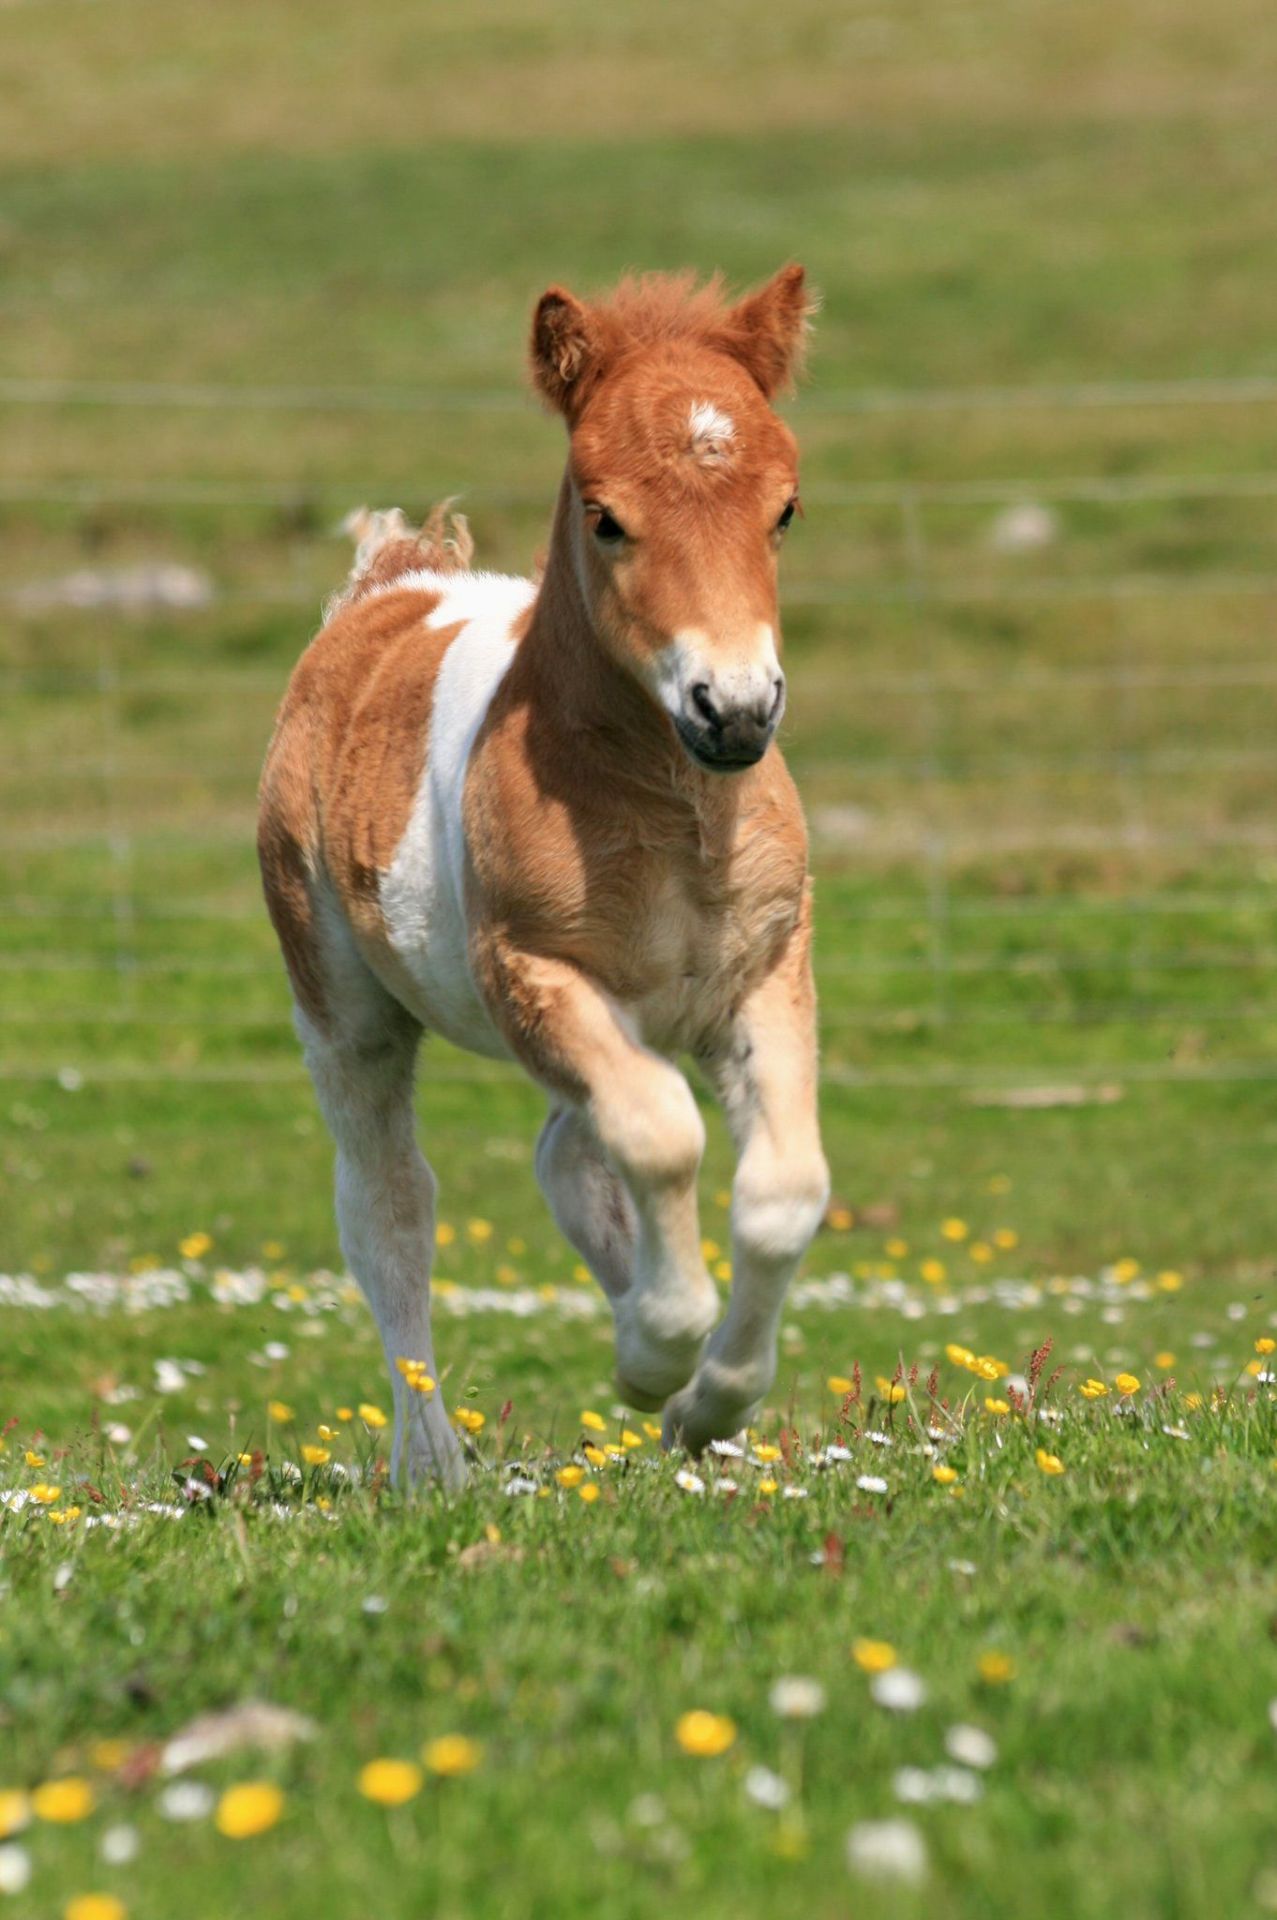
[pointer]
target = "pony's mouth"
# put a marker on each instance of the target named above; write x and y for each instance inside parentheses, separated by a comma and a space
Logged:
(717, 755)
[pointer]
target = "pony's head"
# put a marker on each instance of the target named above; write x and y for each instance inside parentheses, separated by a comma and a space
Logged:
(681, 483)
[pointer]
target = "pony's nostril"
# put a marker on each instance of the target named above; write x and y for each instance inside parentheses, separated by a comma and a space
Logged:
(778, 694)
(704, 705)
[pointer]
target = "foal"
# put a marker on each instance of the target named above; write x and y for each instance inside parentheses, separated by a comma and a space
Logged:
(549, 823)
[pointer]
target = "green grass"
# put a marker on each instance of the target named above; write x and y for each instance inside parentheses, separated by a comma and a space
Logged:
(1040, 792)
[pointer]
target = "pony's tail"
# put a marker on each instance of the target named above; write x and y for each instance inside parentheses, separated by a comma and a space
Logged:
(386, 547)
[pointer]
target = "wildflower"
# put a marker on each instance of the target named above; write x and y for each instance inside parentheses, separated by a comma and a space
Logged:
(452, 1755)
(184, 1800)
(1006, 1239)
(892, 1391)
(316, 1456)
(595, 1455)
(652, 1429)
(960, 1356)
(838, 1383)
(944, 1474)
(997, 1406)
(65, 1516)
(479, 1231)
(251, 1807)
(570, 1476)
(445, 1234)
(954, 1229)
(94, 1906)
(593, 1421)
(107, 1755)
(195, 1246)
(1170, 1281)
(987, 1368)
(1127, 1384)
(690, 1482)
(765, 1453)
(705, 1735)
(33, 1458)
(15, 1811)
(797, 1698)
(119, 1846)
(768, 1486)
(722, 1269)
(1163, 1361)
(15, 1869)
(896, 1249)
(345, 1414)
(372, 1416)
(887, 1850)
(899, 1690)
(873, 1656)
(1265, 1344)
(871, 1483)
(390, 1782)
(970, 1746)
(1193, 1401)
(45, 1495)
(766, 1789)
(63, 1801)
(1049, 1462)
(981, 1252)
(280, 1412)
(470, 1418)
(1093, 1389)
(326, 1433)
(933, 1272)
(995, 1668)
(589, 1493)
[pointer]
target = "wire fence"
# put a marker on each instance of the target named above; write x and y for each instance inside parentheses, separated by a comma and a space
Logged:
(1133, 944)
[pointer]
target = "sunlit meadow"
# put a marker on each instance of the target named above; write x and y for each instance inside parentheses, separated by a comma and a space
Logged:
(981, 1618)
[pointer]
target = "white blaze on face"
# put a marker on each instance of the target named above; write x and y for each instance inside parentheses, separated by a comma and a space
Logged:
(713, 432)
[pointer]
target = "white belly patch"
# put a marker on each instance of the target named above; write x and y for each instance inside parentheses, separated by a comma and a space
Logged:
(423, 889)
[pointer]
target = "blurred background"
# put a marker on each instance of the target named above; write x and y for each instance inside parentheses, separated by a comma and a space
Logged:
(261, 263)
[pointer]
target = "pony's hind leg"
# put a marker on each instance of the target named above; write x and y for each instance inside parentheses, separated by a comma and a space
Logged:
(591, 1205)
(385, 1208)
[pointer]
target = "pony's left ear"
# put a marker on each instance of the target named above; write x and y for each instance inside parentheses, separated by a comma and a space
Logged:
(767, 330)
(564, 350)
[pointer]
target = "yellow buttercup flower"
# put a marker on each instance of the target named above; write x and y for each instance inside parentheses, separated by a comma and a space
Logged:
(345, 1414)
(1093, 1389)
(838, 1383)
(873, 1656)
(452, 1755)
(445, 1234)
(595, 1455)
(892, 1391)
(250, 1808)
(33, 1458)
(895, 1249)
(326, 1433)
(990, 1369)
(589, 1493)
(371, 1416)
(316, 1456)
(195, 1246)
(1193, 1401)
(630, 1440)
(766, 1452)
(705, 1735)
(109, 1754)
(15, 1811)
(1127, 1384)
(1124, 1271)
(46, 1495)
(1049, 1462)
(768, 1486)
(1170, 1281)
(470, 1418)
(1005, 1238)
(981, 1252)
(954, 1229)
(997, 1406)
(995, 1669)
(652, 1429)
(95, 1906)
(390, 1782)
(479, 1231)
(63, 1516)
(960, 1356)
(594, 1421)
(944, 1475)
(570, 1476)
(63, 1801)
(1163, 1361)
(1265, 1344)
(280, 1412)
(933, 1272)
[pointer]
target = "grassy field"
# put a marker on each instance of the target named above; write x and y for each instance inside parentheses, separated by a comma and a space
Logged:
(252, 273)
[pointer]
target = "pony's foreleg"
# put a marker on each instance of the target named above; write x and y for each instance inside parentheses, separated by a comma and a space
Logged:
(766, 1078)
(580, 1044)
(385, 1211)
(591, 1205)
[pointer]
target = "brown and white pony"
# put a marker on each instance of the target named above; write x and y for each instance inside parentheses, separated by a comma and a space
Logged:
(550, 822)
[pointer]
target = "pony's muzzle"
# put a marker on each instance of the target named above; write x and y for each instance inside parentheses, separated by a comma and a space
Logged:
(726, 733)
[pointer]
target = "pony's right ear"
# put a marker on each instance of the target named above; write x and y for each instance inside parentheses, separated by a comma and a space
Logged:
(564, 349)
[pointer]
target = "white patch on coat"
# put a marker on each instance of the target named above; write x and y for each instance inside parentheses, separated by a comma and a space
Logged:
(423, 889)
(713, 432)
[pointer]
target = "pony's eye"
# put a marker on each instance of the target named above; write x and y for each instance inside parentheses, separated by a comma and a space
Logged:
(786, 516)
(608, 530)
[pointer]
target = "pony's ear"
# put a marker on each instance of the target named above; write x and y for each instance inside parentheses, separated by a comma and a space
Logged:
(564, 349)
(767, 330)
